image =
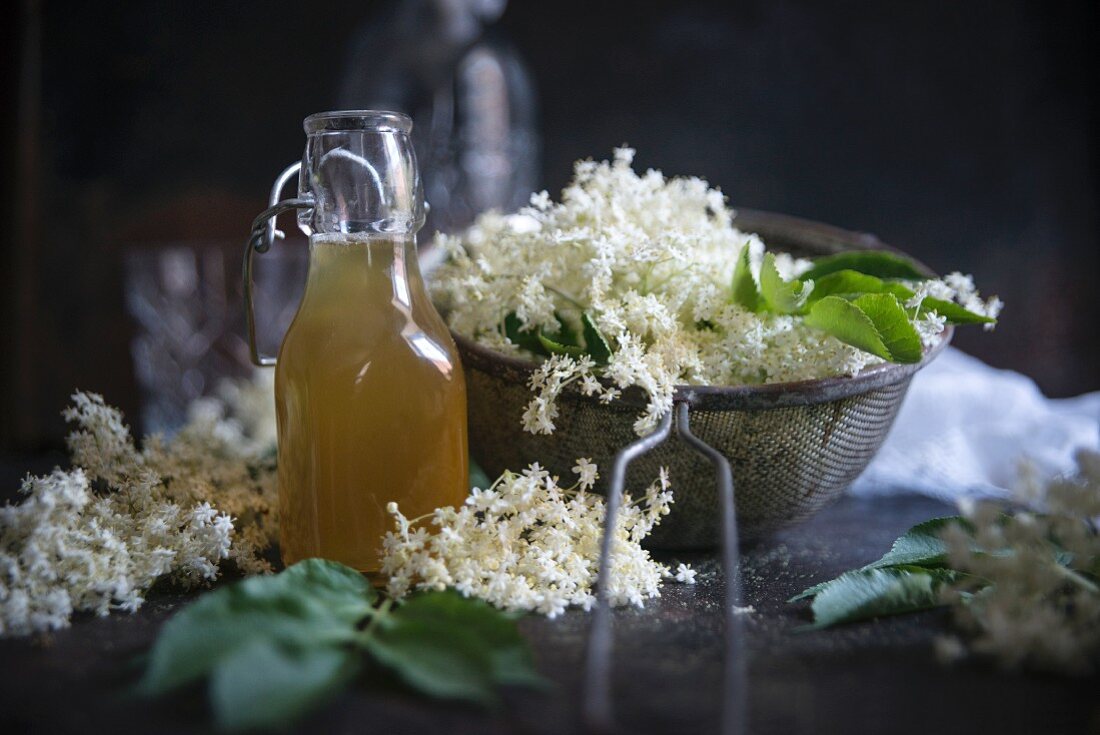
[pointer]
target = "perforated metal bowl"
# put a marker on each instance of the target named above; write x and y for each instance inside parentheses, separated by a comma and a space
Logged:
(793, 447)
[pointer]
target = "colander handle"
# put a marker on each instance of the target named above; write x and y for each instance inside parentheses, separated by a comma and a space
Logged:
(598, 711)
(734, 684)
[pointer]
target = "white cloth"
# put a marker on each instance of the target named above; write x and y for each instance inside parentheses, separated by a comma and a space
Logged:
(965, 427)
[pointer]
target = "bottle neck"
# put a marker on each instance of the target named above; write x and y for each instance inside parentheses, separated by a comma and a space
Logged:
(377, 266)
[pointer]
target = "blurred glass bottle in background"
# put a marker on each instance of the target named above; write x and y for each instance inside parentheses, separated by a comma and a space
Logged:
(188, 329)
(470, 95)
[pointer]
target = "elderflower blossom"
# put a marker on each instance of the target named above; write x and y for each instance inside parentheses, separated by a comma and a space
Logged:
(587, 473)
(65, 548)
(1041, 607)
(685, 574)
(96, 537)
(526, 543)
(650, 260)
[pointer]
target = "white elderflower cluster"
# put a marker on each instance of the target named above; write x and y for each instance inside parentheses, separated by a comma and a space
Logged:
(66, 548)
(650, 260)
(95, 538)
(1041, 607)
(526, 543)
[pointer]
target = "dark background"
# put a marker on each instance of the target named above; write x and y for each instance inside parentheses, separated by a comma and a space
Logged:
(962, 132)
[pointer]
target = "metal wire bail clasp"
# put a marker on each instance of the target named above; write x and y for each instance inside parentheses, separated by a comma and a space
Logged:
(260, 240)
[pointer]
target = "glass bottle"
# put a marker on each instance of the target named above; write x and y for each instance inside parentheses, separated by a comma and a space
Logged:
(370, 395)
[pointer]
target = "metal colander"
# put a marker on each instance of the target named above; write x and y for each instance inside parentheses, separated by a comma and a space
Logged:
(793, 447)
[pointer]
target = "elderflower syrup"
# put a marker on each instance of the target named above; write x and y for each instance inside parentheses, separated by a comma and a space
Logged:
(370, 395)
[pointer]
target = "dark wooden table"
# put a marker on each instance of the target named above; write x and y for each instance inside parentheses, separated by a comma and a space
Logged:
(877, 677)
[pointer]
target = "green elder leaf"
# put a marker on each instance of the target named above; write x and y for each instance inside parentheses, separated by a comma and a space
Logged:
(810, 591)
(562, 342)
(264, 685)
(594, 342)
(510, 657)
(872, 593)
(344, 591)
(893, 325)
(877, 263)
(566, 333)
(783, 297)
(274, 647)
(553, 347)
(526, 339)
(478, 476)
(453, 647)
(436, 659)
(952, 312)
(875, 323)
(312, 603)
(744, 290)
(540, 342)
(852, 284)
(847, 322)
(921, 545)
